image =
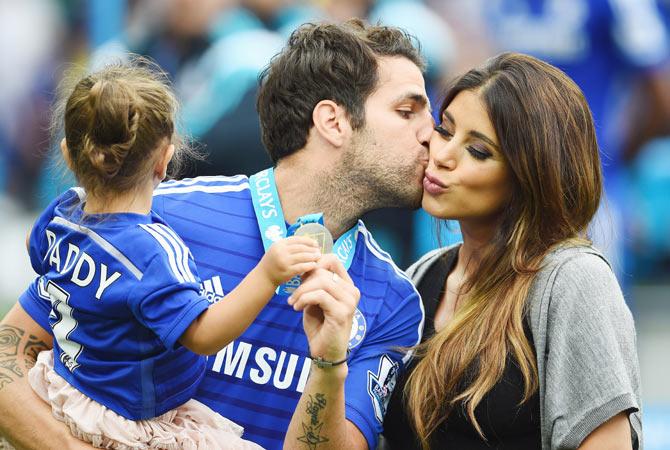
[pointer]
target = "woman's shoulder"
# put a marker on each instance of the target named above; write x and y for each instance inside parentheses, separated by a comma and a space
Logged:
(573, 262)
(580, 279)
(419, 268)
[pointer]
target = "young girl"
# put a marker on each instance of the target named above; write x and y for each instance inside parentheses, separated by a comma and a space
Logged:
(122, 288)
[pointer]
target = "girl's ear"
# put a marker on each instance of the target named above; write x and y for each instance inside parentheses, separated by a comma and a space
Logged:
(164, 157)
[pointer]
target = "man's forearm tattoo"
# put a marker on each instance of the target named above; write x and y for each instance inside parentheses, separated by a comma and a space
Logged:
(10, 338)
(312, 429)
(12, 351)
(33, 347)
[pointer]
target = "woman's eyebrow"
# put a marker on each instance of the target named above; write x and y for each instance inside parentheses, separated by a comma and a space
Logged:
(447, 115)
(484, 138)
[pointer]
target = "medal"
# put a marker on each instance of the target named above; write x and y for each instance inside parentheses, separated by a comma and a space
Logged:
(272, 226)
(319, 233)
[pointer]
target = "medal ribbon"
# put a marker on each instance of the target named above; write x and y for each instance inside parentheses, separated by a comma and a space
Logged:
(272, 225)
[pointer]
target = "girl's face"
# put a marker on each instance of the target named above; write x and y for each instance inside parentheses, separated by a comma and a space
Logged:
(468, 178)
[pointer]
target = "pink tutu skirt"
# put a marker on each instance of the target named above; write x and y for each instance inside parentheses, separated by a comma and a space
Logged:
(192, 426)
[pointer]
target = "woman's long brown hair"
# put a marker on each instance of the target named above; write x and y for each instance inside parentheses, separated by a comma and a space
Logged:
(546, 133)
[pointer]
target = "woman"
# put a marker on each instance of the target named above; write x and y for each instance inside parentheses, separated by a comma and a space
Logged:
(527, 341)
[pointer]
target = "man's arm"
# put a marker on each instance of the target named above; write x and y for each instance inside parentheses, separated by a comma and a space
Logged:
(319, 420)
(328, 303)
(26, 420)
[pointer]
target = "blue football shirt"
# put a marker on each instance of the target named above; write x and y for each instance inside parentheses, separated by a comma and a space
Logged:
(117, 291)
(257, 380)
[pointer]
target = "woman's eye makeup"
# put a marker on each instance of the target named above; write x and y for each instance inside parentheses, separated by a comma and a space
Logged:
(443, 131)
(479, 153)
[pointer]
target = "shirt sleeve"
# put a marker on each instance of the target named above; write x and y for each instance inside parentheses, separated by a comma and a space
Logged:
(592, 370)
(374, 367)
(36, 302)
(38, 242)
(167, 299)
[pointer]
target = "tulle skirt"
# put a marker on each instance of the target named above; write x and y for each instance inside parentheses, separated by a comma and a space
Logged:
(191, 426)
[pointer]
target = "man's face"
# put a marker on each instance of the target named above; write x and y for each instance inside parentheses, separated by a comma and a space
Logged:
(389, 155)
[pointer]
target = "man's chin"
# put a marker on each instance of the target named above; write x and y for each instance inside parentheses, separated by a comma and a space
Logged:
(414, 202)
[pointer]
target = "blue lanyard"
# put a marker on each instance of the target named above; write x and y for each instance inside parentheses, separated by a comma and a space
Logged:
(272, 225)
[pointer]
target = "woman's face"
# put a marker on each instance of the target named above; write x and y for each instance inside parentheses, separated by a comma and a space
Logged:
(468, 178)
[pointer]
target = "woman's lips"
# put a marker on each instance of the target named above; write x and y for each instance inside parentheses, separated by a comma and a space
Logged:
(432, 185)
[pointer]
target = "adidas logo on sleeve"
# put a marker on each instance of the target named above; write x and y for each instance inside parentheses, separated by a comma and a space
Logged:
(212, 290)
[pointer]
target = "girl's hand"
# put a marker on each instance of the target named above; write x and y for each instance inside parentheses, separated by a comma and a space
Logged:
(289, 257)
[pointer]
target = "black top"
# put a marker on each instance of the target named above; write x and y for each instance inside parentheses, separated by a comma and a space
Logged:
(503, 422)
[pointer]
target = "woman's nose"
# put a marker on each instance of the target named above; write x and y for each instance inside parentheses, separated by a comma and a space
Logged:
(442, 153)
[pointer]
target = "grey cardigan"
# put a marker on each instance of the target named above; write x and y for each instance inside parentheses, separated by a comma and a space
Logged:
(584, 339)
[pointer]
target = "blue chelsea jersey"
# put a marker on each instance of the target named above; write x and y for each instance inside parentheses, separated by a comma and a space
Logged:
(117, 291)
(257, 379)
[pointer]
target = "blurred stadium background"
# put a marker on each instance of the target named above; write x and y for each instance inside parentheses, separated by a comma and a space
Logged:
(618, 51)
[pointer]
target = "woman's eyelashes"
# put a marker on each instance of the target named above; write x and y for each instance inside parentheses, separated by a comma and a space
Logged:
(479, 153)
(443, 131)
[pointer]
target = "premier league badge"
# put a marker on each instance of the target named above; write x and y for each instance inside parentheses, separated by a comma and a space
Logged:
(319, 233)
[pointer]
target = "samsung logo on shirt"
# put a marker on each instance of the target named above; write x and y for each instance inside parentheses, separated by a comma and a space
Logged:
(263, 365)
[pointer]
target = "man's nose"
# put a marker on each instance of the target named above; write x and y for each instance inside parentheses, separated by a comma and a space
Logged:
(426, 130)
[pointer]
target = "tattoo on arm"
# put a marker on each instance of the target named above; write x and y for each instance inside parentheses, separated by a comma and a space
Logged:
(10, 343)
(312, 429)
(33, 348)
(10, 338)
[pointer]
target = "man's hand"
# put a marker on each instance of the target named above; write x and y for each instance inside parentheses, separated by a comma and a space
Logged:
(328, 299)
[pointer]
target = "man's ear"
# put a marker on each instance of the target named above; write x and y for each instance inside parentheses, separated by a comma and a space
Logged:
(66, 154)
(331, 122)
(165, 155)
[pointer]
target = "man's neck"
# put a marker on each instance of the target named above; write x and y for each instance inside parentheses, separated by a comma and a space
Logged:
(306, 189)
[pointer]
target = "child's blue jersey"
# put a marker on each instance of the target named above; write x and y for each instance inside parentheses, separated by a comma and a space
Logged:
(257, 380)
(117, 291)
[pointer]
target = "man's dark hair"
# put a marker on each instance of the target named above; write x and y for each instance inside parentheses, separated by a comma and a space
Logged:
(322, 61)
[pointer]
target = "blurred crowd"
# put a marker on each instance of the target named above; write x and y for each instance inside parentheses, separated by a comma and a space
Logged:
(618, 51)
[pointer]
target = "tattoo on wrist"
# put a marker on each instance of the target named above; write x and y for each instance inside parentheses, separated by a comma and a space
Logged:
(312, 429)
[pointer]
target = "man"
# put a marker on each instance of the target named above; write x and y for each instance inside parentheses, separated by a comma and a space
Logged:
(345, 117)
